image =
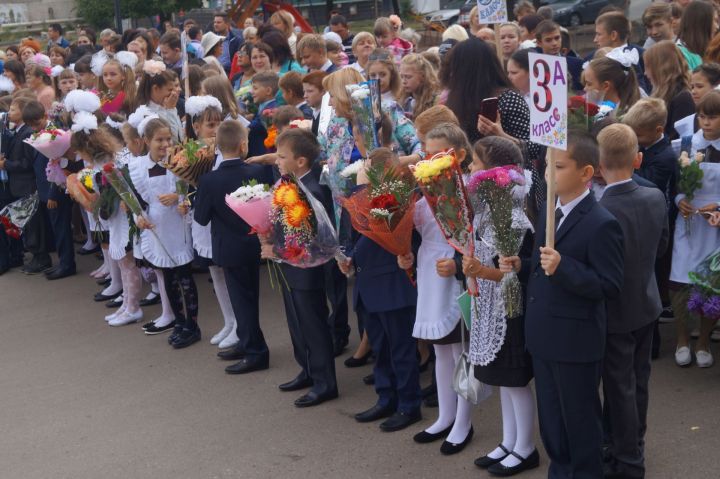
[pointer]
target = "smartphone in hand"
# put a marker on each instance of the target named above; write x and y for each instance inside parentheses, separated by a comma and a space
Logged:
(489, 108)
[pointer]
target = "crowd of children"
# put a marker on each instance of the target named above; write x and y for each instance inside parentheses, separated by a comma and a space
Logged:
(267, 101)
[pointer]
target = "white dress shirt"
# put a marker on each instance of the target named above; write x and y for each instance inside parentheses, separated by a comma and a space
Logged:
(566, 209)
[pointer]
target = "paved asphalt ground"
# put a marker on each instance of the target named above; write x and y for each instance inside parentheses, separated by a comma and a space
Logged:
(79, 399)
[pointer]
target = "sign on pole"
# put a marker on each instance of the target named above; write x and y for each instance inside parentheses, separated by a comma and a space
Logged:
(492, 11)
(548, 120)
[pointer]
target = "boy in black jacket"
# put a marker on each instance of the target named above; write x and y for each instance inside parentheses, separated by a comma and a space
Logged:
(304, 294)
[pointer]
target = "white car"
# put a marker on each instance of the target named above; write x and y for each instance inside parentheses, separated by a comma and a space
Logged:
(450, 13)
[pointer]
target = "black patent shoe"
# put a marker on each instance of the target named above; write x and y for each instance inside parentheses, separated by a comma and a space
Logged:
(450, 448)
(526, 463)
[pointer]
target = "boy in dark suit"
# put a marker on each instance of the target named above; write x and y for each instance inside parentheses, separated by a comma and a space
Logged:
(312, 53)
(233, 247)
(54, 203)
(264, 89)
(18, 161)
(631, 316)
(549, 40)
(565, 321)
(304, 294)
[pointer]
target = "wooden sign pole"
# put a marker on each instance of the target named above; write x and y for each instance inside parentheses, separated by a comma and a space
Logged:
(550, 209)
(498, 48)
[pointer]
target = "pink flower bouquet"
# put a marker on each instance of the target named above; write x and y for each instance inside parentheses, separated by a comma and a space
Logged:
(252, 203)
(55, 171)
(51, 143)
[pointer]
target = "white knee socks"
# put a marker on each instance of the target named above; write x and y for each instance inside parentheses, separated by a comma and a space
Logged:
(523, 405)
(463, 416)
(223, 297)
(447, 398)
(509, 428)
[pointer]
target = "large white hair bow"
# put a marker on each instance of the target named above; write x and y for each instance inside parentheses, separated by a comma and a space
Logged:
(84, 121)
(139, 115)
(143, 124)
(198, 104)
(626, 58)
(127, 59)
(80, 100)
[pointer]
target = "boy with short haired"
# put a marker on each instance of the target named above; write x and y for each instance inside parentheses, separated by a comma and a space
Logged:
(304, 297)
(54, 203)
(312, 54)
(291, 87)
(631, 316)
(195, 47)
(549, 41)
(565, 322)
(387, 38)
(658, 21)
(234, 248)
(612, 30)
(264, 89)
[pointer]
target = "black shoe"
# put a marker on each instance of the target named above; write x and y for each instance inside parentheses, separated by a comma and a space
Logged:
(99, 297)
(60, 274)
(35, 268)
(104, 281)
(401, 420)
(151, 329)
(114, 303)
(175, 335)
(339, 346)
(313, 399)
(450, 448)
(296, 384)
(487, 461)
(187, 338)
(369, 380)
(84, 252)
(248, 365)
(526, 463)
(51, 270)
(232, 354)
(425, 437)
(374, 413)
(152, 300)
(353, 362)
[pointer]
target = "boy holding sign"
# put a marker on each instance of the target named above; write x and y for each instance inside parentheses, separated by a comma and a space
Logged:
(565, 321)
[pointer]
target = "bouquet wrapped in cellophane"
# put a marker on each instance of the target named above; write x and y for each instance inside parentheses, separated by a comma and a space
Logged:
(252, 203)
(16, 215)
(53, 143)
(491, 193)
(441, 181)
(191, 160)
(705, 296)
(81, 188)
(302, 233)
(383, 212)
(365, 101)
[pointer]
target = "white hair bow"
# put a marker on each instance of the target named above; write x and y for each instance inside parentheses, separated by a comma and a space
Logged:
(98, 62)
(139, 115)
(6, 84)
(113, 124)
(143, 124)
(84, 121)
(195, 105)
(56, 70)
(80, 100)
(127, 59)
(626, 58)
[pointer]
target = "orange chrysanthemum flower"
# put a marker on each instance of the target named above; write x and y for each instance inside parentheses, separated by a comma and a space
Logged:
(286, 195)
(297, 214)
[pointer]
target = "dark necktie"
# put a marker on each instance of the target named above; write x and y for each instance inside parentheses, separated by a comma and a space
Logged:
(558, 216)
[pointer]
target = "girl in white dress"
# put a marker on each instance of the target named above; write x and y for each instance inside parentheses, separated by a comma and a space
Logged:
(694, 238)
(205, 114)
(438, 317)
(165, 240)
(159, 90)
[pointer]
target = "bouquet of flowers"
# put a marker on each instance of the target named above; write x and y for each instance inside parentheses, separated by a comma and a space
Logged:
(269, 141)
(55, 171)
(302, 233)
(267, 116)
(120, 182)
(15, 215)
(441, 182)
(52, 143)
(705, 296)
(582, 110)
(384, 210)
(191, 160)
(365, 100)
(492, 193)
(80, 186)
(252, 203)
(690, 180)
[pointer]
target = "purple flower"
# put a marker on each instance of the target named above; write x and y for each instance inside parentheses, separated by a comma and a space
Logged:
(695, 302)
(711, 308)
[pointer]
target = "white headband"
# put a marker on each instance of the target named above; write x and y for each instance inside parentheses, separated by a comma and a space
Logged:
(113, 124)
(84, 121)
(6, 84)
(126, 59)
(80, 100)
(195, 105)
(138, 115)
(143, 124)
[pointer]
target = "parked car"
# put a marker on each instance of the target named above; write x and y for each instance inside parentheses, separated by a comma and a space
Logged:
(573, 13)
(450, 13)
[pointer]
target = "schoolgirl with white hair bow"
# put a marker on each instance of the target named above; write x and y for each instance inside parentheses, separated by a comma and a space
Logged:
(116, 83)
(612, 82)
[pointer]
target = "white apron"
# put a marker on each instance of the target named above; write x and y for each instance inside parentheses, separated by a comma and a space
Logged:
(438, 312)
(202, 240)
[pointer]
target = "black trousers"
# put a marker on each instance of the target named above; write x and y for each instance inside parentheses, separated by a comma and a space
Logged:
(625, 377)
(36, 235)
(569, 413)
(336, 290)
(312, 340)
(243, 284)
(61, 222)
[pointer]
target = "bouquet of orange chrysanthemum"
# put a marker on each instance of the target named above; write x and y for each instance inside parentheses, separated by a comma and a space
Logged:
(191, 160)
(302, 233)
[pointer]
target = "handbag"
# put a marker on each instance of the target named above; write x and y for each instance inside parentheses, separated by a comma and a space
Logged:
(464, 382)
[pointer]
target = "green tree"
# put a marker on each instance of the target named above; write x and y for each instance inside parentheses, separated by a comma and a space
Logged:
(101, 13)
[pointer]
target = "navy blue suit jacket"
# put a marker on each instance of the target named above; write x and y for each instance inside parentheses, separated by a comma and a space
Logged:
(232, 243)
(257, 133)
(310, 278)
(565, 319)
(19, 163)
(660, 166)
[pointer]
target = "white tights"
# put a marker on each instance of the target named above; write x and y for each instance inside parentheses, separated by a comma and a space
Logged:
(167, 315)
(132, 283)
(518, 412)
(223, 297)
